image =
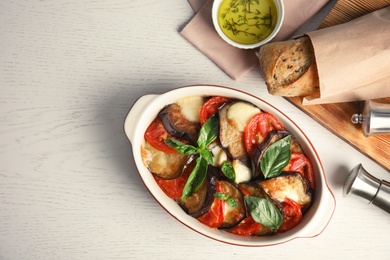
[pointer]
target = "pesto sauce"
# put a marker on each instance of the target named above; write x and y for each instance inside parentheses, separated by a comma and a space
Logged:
(247, 21)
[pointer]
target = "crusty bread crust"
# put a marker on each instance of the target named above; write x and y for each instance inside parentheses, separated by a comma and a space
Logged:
(289, 67)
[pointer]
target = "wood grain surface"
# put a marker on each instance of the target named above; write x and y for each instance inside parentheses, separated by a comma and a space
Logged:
(337, 117)
(69, 187)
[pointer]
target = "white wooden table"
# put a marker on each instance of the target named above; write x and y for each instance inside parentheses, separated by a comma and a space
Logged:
(69, 72)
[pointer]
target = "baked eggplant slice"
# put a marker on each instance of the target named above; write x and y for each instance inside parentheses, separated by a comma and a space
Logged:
(290, 185)
(232, 214)
(253, 189)
(233, 119)
(200, 201)
(178, 125)
(273, 137)
(164, 165)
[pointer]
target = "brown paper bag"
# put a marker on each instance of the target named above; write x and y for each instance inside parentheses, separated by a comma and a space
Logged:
(353, 59)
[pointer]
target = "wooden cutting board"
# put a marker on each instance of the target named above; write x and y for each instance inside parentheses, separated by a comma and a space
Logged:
(337, 117)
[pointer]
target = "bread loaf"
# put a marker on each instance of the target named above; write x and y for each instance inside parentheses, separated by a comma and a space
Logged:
(289, 68)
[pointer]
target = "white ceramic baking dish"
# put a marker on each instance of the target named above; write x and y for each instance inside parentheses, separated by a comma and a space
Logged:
(145, 109)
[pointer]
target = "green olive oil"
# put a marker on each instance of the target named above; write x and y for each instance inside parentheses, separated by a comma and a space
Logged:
(247, 21)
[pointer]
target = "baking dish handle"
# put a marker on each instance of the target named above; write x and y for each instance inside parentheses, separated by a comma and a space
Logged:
(134, 115)
(323, 214)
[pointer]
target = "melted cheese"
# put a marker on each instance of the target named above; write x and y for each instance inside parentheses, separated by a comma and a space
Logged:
(190, 107)
(240, 113)
(227, 210)
(163, 164)
(283, 187)
(243, 172)
(219, 155)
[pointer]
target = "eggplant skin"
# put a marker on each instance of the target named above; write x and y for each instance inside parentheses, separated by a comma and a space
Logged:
(200, 201)
(257, 154)
(254, 189)
(290, 185)
(272, 137)
(232, 216)
(176, 124)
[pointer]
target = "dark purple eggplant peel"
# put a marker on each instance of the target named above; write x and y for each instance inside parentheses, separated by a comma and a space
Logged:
(176, 124)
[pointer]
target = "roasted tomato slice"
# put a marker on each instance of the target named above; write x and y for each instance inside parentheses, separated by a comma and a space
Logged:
(156, 134)
(211, 106)
(258, 128)
(247, 227)
(300, 163)
(173, 188)
(214, 217)
(292, 215)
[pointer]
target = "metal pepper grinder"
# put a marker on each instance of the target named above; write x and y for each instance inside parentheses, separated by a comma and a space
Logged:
(375, 118)
(363, 184)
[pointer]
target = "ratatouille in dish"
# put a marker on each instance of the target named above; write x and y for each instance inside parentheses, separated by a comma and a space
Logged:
(230, 165)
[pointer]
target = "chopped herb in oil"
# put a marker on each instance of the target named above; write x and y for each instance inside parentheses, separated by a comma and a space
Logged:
(247, 21)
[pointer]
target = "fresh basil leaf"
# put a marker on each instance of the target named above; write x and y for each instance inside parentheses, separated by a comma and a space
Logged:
(276, 157)
(208, 132)
(264, 212)
(181, 147)
(222, 196)
(228, 170)
(206, 154)
(196, 178)
(232, 202)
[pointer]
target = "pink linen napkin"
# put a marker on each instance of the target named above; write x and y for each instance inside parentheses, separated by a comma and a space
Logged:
(201, 33)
